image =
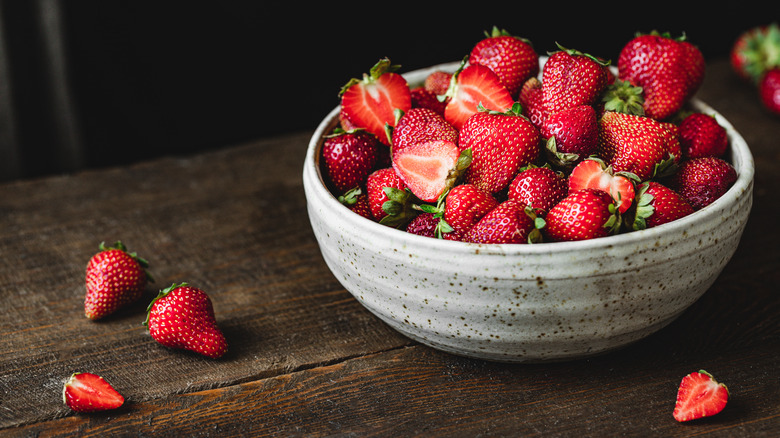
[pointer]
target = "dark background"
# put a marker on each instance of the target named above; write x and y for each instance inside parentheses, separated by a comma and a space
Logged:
(147, 79)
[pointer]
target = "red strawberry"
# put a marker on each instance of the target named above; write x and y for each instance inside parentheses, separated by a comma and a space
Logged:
(501, 143)
(182, 317)
(756, 51)
(532, 103)
(699, 395)
(472, 86)
(87, 392)
(509, 222)
(437, 82)
(421, 125)
(376, 184)
(571, 78)
(370, 102)
(115, 279)
(657, 204)
(465, 205)
(513, 59)
(634, 144)
(357, 201)
(572, 135)
(430, 224)
(769, 90)
(703, 180)
(595, 174)
(582, 215)
(538, 187)
(669, 70)
(422, 98)
(427, 168)
(348, 158)
(702, 136)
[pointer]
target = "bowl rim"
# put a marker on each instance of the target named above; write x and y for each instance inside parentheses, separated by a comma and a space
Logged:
(739, 152)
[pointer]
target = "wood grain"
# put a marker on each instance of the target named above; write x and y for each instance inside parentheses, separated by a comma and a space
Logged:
(305, 358)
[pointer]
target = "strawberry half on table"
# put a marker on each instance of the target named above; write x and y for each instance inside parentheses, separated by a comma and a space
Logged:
(115, 278)
(699, 396)
(182, 317)
(87, 392)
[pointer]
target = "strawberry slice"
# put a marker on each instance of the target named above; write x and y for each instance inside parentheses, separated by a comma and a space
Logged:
(427, 167)
(593, 173)
(87, 392)
(699, 396)
(472, 86)
(370, 103)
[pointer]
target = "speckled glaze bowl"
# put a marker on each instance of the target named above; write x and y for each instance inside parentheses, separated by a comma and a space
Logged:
(528, 303)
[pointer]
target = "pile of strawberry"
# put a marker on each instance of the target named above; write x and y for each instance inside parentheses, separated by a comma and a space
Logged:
(505, 151)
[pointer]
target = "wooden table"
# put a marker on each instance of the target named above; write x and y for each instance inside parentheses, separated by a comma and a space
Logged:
(306, 359)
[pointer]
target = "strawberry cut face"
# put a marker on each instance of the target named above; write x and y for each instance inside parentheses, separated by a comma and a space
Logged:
(87, 392)
(475, 85)
(424, 167)
(699, 395)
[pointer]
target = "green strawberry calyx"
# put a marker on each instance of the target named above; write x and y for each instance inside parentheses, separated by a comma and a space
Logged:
(160, 295)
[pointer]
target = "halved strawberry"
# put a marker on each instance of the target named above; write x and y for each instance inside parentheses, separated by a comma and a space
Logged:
(472, 86)
(370, 102)
(427, 167)
(699, 395)
(87, 392)
(595, 174)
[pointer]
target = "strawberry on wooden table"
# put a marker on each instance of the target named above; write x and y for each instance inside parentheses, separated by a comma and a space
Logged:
(756, 51)
(699, 396)
(115, 278)
(182, 317)
(668, 70)
(582, 215)
(512, 58)
(501, 143)
(348, 158)
(472, 86)
(88, 392)
(370, 102)
(571, 78)
(769, 90)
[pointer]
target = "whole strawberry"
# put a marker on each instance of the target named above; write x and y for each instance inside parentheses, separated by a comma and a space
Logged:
(371, 101)
(572, 135)
(582, 215)
(182, 317)
(421, 125)
(572, 78)
(357, 200)
(509, 222)
(437, 82)
(756, 51)
(115, 279)
(657, 204)
(501, 143)
(702, 136)
(703, 180)
(390, 201)
(669, 71)
(512, 58)
(465, 205)
(348, 158)
(538, 187)
(635, 144)
(532, 102)
(423, 98)
(769, 90)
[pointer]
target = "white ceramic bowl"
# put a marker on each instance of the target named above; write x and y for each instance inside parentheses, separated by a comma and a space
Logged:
(528, 303)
